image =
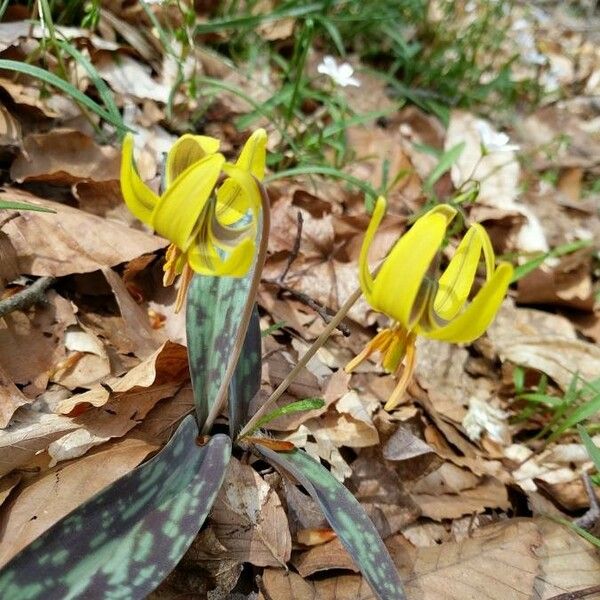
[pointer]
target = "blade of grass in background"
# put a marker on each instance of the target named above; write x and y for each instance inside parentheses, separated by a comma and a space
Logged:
(66, 87)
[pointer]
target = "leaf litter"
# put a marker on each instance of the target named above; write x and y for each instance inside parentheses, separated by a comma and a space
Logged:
(94, 376)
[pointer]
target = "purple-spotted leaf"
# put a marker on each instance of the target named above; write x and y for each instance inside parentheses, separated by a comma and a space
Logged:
(245, 382)
(125, 540)
(347, 518)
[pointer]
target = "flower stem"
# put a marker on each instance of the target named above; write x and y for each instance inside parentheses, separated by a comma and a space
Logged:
(283, 386)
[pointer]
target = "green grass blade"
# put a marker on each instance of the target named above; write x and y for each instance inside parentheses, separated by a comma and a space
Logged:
(581, 413)
(16, 205)
(125, 540)
(584, 533)
(325, 170)
(591, 448)
(103, 90)
(63, 86)
(294, 9)
(531, 265)
(446, 161)
(347, 517)
(293, 407)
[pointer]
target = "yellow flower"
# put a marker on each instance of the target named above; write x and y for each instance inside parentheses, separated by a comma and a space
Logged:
(210, 234)
(406, 290)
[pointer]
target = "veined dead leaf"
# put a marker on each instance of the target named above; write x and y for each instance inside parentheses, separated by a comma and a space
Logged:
(567, 562)
(64, 157)
(53, 244)
(11, 398)
(249, 520)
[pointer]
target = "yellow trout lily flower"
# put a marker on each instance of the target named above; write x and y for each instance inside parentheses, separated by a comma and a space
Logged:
(210, 234)
(406, 290)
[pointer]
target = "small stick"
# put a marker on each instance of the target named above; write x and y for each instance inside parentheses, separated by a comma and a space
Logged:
(295, 250)
(283, 386)
(577, 594)
(324, 312)
(592, 516)
(26, 297)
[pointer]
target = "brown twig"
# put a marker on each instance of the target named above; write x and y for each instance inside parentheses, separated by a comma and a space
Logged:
(26, 297)
(283, 386)
(324, 312)
(295, 250)
(577, 594)
(592, 516)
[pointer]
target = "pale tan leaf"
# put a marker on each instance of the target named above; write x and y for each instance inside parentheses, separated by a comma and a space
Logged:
(249, 520)
(71, 241)
(568, 562)
(11, 398)
(30, 431)
(64, 157)
(498, 563)
(136, 323)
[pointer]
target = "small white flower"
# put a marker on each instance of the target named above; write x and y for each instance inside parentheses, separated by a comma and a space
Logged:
(492, 140)
(340, 74)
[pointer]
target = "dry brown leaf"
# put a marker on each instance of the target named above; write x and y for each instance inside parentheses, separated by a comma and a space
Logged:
(11, 398)
(137, 326)
(8, 484)
(64, 157)
(131, 78)
(30, 432)
(44, 500)
(71, 241)
(324, 557)
(559, 358)
(568, 562)
(31, 343)
(489, 494)
(249, 520)
(568, 284)
(498, 563)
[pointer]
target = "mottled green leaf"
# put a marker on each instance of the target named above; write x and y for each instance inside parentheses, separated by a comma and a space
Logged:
(215, 306)
(245, 383)
(125, 540)
(347, 518)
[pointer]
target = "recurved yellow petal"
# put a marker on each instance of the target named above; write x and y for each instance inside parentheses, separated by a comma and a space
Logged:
(364, 273)
(473, 322)
(254, 153)
(187, 150)
(176, 215)
(397, 285)
(140, 199)
(457, 280)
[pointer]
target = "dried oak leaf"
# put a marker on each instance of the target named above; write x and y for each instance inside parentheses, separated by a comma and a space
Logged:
(63, 157)
(71, 241)
(249, 520)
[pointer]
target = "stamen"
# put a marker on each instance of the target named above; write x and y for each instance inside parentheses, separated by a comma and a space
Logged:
(170, 267)
(381, 340)
(184, 284)
(406, 378)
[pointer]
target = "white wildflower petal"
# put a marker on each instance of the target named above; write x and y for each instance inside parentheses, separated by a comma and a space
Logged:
(493, 141)
(340, 74)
